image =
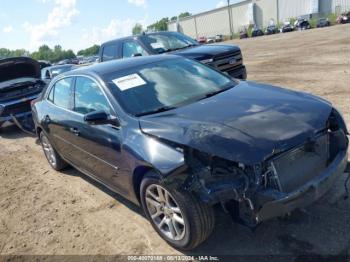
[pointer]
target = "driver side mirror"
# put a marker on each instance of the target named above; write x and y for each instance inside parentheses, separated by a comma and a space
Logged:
(100, 118)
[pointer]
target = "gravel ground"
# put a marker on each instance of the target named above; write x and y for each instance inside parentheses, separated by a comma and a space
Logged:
(43, 212)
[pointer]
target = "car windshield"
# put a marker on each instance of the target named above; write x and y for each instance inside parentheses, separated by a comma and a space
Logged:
(161, 43)
(165, 85)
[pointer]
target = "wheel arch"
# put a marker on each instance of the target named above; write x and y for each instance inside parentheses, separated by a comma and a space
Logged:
(138, 175)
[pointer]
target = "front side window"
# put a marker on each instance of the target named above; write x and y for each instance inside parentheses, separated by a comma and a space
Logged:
(61, 93)
(89, 97)
(109, 52)
(170, 83)
(131, 48)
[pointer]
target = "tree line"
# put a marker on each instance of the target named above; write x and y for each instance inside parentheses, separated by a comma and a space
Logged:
(161, 25)
(53, 55)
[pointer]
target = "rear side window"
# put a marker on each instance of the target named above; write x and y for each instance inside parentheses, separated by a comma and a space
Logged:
(131, 48)
(109, 52)
(89, 97)
(61, 93)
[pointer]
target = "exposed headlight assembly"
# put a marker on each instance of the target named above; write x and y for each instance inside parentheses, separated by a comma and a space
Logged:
(338, 120)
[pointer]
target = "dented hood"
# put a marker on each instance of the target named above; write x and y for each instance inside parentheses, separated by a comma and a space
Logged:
(246, 124)
(18, 67)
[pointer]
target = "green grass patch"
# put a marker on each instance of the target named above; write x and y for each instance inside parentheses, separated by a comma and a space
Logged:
(332, 18)
(313, 22)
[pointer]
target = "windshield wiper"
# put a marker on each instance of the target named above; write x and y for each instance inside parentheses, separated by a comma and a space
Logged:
(215, 93)
(179, 48)
(176, 49)
(158, 110)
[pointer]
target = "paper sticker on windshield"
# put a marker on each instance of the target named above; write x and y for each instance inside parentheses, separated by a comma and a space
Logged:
(157, 45)
(129, 81)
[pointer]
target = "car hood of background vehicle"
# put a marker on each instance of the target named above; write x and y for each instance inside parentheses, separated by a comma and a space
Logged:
(246, 124)
(207, 51)
(18, 67)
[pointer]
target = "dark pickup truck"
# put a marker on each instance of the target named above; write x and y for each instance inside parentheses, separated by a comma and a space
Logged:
(19, 84)
(226, 58)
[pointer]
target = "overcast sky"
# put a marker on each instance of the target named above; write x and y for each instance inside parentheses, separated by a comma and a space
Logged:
(77, 24)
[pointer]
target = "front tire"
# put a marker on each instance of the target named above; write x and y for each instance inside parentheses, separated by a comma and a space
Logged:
(178, 216)
(54, 159)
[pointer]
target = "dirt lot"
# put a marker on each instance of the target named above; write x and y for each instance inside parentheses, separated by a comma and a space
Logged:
(45, 212)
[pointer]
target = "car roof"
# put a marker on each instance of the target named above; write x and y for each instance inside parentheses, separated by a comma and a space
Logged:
(119, 65)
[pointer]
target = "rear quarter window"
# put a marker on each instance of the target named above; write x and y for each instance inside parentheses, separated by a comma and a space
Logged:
(61, 93)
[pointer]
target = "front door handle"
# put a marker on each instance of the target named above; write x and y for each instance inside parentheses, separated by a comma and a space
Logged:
(47, 119)
(74, 130)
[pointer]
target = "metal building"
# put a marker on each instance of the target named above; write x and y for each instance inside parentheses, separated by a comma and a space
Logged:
(217, 21)
(339, 6)
(259, 12)
(294, 8)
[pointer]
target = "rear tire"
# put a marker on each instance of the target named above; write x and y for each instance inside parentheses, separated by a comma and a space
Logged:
(54, 159)
(197, 218)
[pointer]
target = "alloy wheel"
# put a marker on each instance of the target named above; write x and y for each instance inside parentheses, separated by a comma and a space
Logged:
(165, 212)
(48, 150)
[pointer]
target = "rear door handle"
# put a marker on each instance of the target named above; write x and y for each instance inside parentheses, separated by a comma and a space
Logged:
(74, 130)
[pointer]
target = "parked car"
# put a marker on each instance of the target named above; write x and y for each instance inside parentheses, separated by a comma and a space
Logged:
(48, 73)
(272, 29)
(72, 61)
(211, 40)
(302, 24)
(63, 62)
(344, 18)
(287, 27)
(323, 22)
(257, 32)
(243, 33)
(202, 40)
(19, 85)
(226, 58)
(177, 137)
(89, 60)
(219, 38)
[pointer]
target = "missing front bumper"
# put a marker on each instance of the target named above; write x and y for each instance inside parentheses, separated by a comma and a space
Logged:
(305, 195)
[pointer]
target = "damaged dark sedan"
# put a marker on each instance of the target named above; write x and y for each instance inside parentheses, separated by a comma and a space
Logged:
(179, 137)
(19, 85)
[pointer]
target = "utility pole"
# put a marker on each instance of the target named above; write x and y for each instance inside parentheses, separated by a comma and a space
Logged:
(229, 18)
